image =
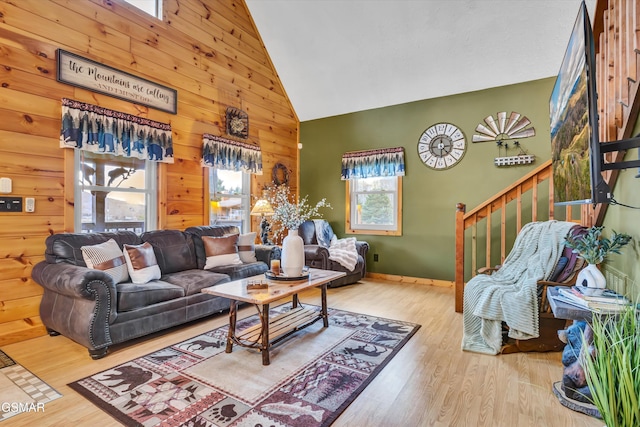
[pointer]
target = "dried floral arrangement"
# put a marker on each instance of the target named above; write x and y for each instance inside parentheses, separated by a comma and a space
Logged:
(290, 212)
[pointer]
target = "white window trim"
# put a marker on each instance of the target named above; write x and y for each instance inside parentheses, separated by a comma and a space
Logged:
(245, 198)
(394, 230)
(151, 194)
(157, 4)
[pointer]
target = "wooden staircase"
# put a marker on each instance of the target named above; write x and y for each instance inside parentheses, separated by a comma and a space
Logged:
(616, 27)
(503, 215)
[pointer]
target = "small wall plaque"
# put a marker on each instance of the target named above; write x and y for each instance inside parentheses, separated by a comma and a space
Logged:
(237, 123)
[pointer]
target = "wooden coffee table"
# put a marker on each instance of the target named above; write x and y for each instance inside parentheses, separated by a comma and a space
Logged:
(270, 331)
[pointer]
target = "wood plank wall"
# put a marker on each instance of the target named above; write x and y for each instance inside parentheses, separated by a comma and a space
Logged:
(616, 28)
(208, 50)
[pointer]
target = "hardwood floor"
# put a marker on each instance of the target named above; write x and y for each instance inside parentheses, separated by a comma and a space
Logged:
(431, 382)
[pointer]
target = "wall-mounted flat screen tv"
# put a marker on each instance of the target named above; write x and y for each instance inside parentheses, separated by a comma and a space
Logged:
(575, 145)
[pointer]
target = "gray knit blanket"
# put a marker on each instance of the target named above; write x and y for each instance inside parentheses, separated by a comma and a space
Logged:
(510, 294)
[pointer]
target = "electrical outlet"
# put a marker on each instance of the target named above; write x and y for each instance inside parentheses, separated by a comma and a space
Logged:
(10, 204)
(375, 257)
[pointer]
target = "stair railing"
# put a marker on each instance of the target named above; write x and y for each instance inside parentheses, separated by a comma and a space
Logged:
(617, 39)
(524, 193)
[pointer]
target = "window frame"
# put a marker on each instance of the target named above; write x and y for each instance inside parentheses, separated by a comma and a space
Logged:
(150, 191)
(156, 3)
(245, 197)
(382, 231)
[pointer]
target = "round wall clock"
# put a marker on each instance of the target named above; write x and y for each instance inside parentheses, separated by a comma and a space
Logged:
(442, 146)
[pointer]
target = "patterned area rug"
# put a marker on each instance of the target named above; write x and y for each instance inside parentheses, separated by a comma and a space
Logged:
(313, 376)
(20, 390)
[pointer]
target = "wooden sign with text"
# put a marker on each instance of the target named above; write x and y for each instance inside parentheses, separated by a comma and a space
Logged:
(85, 73)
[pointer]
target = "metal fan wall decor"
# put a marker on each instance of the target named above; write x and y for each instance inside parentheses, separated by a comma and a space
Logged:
(503, 128)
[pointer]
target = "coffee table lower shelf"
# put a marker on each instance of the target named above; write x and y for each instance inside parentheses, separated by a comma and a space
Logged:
(271, 331)
(280, 326)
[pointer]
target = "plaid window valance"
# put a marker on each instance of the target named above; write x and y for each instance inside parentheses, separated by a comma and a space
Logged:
(372, 163)
(100, 130)
(227, 154)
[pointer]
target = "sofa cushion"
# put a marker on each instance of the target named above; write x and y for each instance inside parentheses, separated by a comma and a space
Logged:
(65, 247)
(107, 257)
(208, 230)
(242, 271)
(132, 296)
(174, 250)
(192, 281)
(307, 231)
(247, 247)
(221, 251)
(141, 263)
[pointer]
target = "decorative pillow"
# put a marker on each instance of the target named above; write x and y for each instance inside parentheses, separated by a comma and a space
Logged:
(107, 257)
(221, 251)
(324, 232)
(562, 263)
(247, 247)
(141, 263)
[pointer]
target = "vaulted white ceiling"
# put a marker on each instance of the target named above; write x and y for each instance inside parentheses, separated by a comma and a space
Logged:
(341, 56)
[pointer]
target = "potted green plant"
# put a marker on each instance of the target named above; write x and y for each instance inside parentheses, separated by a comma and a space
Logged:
(612, 367)
(594, 249)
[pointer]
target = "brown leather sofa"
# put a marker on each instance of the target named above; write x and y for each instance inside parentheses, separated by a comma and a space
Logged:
(86, 305)
(317, 255)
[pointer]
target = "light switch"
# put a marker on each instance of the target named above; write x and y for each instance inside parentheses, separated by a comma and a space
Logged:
(29, 204)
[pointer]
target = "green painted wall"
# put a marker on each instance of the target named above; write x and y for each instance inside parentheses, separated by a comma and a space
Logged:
(427, 247)
(626, 220)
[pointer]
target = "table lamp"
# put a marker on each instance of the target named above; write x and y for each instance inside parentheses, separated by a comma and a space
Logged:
(215, 209)
(264, 209)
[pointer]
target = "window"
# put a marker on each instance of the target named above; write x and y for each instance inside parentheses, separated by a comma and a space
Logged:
(114, 193)
(152, 7)
(230, 198)
(374, 205)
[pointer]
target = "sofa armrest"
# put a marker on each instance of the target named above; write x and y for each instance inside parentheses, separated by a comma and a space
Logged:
(72, 280)
(266, 253)
(316, 256)
(543, 302)
(362, 248)
(316, 252)
(78, 302)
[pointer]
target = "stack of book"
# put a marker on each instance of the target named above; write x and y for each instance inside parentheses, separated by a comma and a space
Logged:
(599, 301)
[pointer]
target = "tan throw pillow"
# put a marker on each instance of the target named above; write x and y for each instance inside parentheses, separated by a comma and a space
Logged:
(247, 247)
(107, 257)
(221, 251)
(141, 263)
